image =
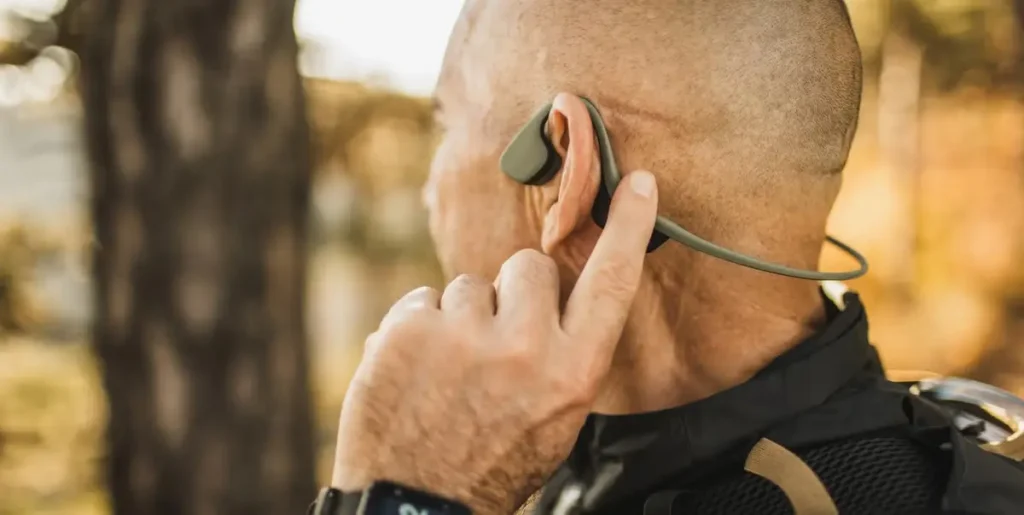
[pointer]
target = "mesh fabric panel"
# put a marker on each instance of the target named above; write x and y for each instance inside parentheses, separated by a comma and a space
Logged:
(869, 476)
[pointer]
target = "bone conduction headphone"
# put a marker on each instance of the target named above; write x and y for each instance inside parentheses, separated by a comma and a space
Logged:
(531, 159)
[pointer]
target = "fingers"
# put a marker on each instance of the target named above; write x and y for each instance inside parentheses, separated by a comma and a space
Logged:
(528, 288)
(597, 307)
(420, 299)
(470, 296)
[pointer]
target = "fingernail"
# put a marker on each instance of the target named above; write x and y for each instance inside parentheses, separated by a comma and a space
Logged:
(642, 182)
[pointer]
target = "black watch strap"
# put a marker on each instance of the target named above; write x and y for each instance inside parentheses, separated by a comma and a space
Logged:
(384, 497)
(331, 501)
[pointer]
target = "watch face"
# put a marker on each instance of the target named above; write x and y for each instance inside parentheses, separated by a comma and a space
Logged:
(391, 499)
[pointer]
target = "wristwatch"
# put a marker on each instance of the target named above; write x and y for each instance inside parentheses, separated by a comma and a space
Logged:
(384, 498)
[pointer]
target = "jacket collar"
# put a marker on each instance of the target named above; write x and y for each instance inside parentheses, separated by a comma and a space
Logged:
(627, 454)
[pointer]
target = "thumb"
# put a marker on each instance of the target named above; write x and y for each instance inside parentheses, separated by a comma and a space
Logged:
(599, 304)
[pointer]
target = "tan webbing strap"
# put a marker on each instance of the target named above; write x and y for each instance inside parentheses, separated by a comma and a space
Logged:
(530, 506)
(795, 478)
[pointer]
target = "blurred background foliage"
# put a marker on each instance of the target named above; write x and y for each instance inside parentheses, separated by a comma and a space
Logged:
(934, 195)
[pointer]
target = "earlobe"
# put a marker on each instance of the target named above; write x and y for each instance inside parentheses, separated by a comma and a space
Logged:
(571, 132)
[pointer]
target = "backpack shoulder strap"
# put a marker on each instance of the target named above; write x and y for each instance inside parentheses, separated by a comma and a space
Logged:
(793, 476)
(773, 462)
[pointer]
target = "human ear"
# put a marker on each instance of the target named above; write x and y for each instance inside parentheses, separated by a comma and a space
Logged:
(571, 132)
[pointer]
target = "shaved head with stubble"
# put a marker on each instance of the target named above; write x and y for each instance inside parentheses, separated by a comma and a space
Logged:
(744, 111)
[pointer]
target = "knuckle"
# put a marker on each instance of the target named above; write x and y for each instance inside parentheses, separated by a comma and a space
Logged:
(373, 341)
(416, 300)
(467, 282)
(400, 329)
(422, 292)
(405, 324)
(532, 260)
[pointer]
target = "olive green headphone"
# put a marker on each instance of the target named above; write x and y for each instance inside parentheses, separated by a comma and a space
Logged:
(531, 159)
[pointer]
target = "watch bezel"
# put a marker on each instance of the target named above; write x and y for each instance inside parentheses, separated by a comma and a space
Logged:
(382, 492)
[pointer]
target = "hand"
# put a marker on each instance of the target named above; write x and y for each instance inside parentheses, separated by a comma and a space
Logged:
(478, 394)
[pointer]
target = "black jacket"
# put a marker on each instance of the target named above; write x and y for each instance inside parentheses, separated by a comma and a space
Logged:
(877, 448)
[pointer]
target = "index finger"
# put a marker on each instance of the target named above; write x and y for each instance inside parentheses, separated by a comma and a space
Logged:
(597, 307)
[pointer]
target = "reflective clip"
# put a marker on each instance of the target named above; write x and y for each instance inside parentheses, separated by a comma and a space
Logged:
(996, 421)
(569, 500)
(578, 498)
(834, 291)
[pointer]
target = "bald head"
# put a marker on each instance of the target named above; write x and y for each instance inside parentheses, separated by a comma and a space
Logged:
(736, 105)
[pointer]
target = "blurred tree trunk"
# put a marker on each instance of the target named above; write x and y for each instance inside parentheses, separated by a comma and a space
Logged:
(200, 185)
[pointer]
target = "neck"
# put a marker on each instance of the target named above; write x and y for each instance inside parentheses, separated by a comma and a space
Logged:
(687, 341)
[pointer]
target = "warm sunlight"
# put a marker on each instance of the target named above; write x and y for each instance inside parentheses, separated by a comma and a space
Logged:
(366, 40)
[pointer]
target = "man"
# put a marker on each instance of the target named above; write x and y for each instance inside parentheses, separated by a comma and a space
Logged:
(714, 388)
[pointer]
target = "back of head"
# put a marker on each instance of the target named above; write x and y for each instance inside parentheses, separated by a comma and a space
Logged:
(744, 110)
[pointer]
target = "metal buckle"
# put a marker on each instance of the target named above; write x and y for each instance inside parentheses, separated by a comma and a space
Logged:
(998, 405)
(569, 500)
(327, 502)
(834, 291)
(580, 497)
